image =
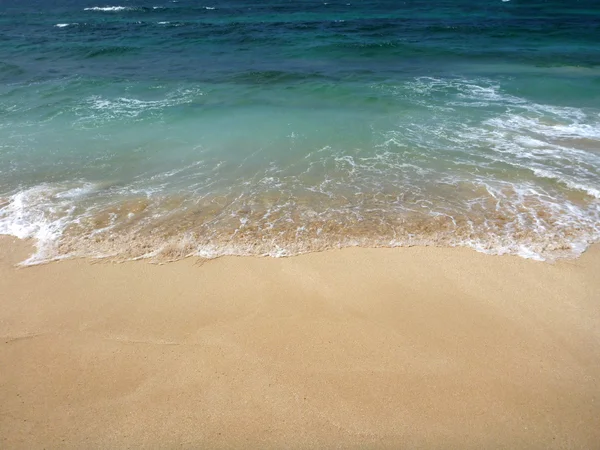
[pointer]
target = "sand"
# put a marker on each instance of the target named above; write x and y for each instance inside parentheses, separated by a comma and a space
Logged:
(357, 348)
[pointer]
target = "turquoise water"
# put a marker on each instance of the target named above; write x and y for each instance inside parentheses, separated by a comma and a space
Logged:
(165, 129)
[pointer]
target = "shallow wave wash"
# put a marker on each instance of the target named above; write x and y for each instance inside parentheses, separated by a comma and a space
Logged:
(169, 129)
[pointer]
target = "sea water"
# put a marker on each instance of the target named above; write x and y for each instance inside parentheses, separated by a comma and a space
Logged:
(162, 129)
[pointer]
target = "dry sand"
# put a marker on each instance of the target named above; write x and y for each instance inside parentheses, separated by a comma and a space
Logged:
(364, 348)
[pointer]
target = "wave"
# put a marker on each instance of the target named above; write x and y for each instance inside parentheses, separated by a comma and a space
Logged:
(124, 8)
(110, 8)
(508, 176)
(170, 24)
(99, 110)
(591, 191)
(146, 227)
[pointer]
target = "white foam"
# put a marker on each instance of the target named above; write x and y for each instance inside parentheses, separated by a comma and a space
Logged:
(566, 181)
(109, 109)
(41, 213)
(109, 8)
(548, 141)
(521, 123)
(77, 192)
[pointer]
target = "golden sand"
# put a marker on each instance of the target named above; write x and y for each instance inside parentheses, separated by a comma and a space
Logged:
(362, 348)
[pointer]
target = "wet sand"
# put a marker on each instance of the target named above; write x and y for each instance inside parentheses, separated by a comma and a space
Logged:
(357, 348)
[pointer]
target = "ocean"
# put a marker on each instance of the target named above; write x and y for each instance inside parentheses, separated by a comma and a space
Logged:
(163, 129)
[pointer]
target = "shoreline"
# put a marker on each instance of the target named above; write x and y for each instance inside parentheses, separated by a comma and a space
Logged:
(174, 252)
(419, 347)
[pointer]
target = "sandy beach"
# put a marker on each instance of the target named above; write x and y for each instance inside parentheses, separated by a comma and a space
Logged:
(357, 348)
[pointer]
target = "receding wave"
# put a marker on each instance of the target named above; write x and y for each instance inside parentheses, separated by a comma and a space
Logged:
(495, 219)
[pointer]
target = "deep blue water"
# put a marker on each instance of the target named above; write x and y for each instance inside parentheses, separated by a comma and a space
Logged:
(167, 128)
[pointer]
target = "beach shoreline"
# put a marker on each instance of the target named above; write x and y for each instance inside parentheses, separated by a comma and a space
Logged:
(415, 347)
(290, 224)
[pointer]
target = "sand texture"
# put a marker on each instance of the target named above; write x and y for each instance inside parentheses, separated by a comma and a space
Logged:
(358, 348)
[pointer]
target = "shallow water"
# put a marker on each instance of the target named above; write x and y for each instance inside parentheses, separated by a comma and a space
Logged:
(165, 129)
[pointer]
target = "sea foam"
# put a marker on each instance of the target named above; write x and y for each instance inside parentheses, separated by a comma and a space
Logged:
(109, 8)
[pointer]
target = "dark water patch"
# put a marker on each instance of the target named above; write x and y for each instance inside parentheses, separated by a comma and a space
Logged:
(269, 77)
(8, 70)
(110, 51)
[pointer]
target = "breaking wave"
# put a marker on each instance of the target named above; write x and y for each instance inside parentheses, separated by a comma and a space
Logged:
(110, 8)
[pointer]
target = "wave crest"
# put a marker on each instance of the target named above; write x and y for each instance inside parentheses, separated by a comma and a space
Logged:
(110, 8)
